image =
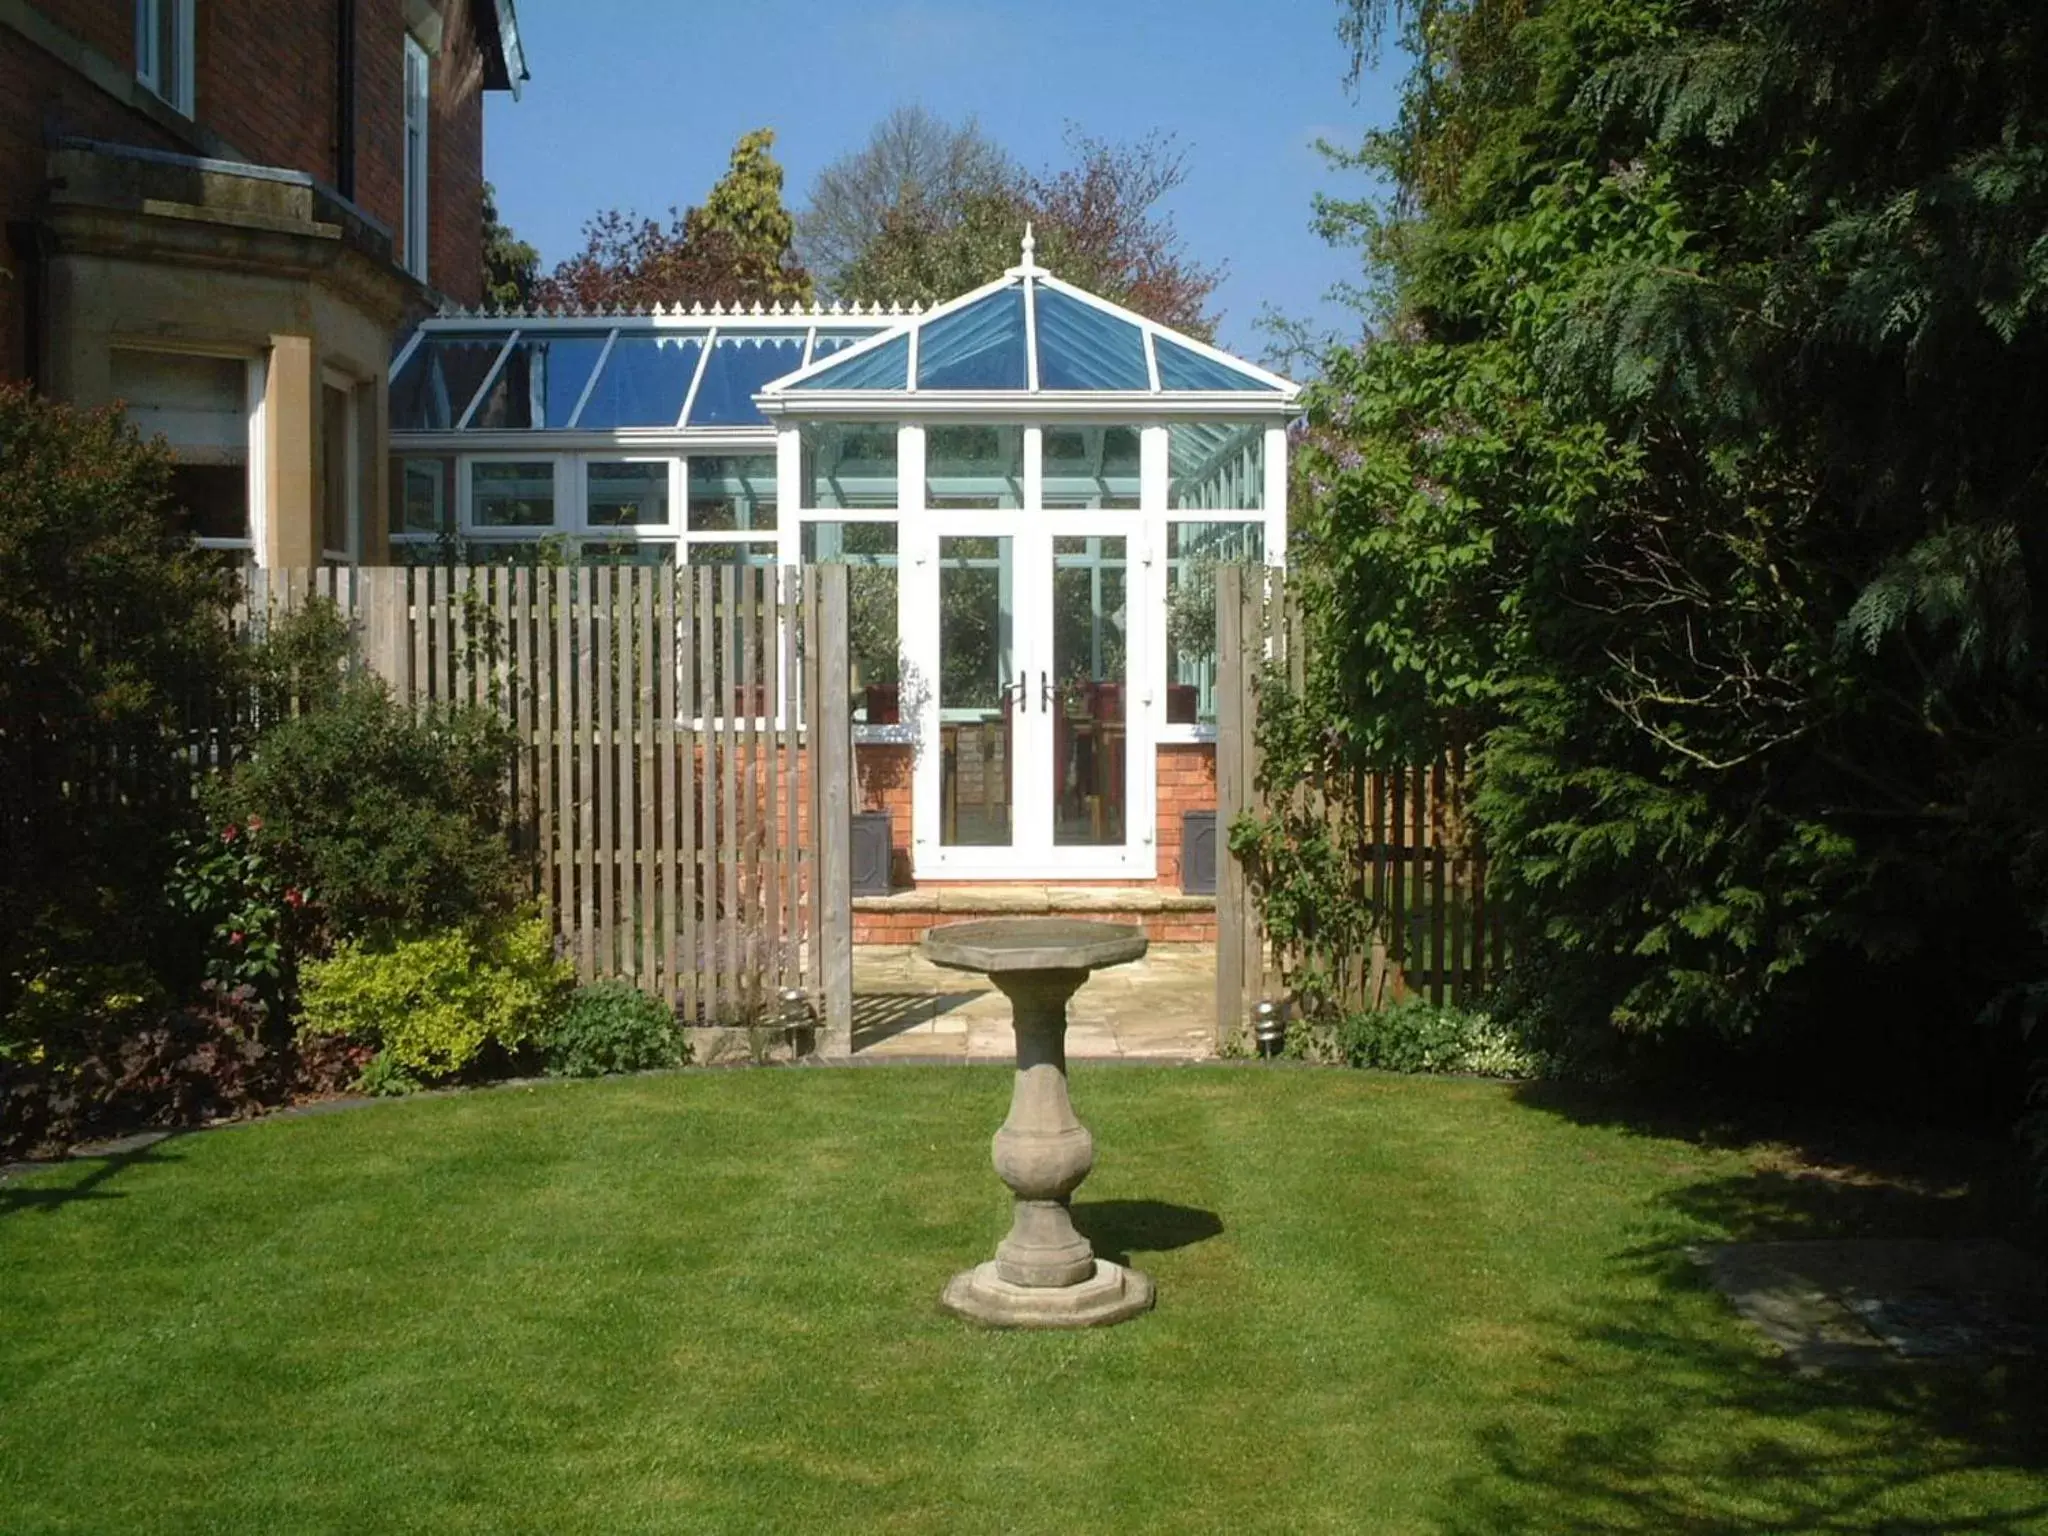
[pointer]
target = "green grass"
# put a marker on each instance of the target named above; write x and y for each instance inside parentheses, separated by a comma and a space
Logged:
(708, 1302)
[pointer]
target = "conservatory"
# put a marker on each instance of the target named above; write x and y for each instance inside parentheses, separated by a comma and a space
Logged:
(1030, 485)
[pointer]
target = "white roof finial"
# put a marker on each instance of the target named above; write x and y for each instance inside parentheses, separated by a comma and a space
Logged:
(1030, 246)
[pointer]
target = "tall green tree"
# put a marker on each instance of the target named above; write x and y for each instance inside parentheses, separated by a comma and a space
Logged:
(511, 266)
(735, 248)
(1695, 474)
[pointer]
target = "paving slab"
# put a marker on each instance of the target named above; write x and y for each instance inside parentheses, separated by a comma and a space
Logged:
(1158, 1008)
(1858, 1302)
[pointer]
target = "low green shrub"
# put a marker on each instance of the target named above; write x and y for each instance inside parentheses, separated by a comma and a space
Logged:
(1415, 1035)
(435, 1006)
(384, 1078)
(614, 1027)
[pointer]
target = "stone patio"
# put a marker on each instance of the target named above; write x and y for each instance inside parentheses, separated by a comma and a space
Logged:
(1160, 1008)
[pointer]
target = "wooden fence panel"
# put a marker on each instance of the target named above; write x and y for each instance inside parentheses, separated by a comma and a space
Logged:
(1433, 931)
(682, 778)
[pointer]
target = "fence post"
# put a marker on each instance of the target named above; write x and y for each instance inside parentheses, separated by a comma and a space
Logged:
(832, 760)
(1231, 916)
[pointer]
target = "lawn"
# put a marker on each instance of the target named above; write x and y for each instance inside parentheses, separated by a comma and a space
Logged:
(707, 1301)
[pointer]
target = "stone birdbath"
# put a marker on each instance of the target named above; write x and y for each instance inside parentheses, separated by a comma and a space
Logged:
(1045, 1274)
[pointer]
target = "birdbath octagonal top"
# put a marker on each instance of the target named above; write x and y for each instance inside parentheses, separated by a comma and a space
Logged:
(1002, 946)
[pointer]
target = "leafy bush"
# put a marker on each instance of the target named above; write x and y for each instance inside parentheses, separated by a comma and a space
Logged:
(112, 626)
(392, 823)
(1416, 1035)
(434, 1006)
(614, 1027)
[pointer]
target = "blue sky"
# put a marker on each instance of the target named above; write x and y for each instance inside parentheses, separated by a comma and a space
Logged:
(636, 104)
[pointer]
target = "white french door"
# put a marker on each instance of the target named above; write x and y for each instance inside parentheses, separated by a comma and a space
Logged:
(1035, 750)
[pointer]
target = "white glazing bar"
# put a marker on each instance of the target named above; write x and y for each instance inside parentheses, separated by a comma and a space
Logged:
(1152, 468)
(1034, 468)
(789, 495)
(590, 384)
(1276, 495)
(405, 355)
(1031, 335)
(1151, 362)
(489, 379)
(697, 378)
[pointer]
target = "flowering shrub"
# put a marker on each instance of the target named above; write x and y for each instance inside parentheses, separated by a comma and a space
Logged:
(433, 1007)
(256, 923)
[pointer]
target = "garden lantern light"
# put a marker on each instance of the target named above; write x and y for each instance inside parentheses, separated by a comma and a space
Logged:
(1269, 1028)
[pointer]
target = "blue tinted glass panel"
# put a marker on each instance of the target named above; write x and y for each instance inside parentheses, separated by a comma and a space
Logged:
(643, 383)
(440, 379)
(541, 381)
(1082, 347)
(739, 366)
(979, 347)
(1181, 369)
(886, 367)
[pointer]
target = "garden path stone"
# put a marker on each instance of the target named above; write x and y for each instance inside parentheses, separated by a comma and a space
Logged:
(1161, 1008)
(1854, 1302)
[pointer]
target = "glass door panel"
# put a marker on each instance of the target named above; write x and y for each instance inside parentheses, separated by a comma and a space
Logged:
(1090, 614)
(976, 664)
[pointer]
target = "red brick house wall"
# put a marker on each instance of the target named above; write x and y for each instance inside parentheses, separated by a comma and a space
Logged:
(39, 97)
(265, 89)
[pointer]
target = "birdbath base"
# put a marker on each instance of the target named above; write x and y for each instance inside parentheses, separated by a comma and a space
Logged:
(1110, 1295)
(1045, 1273)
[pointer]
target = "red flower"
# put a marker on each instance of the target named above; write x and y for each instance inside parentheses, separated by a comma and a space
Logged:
(294, 897)
(230, 832)
(255, 823)
(235, 937)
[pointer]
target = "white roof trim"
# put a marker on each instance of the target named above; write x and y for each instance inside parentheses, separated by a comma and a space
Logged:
(1028, 277)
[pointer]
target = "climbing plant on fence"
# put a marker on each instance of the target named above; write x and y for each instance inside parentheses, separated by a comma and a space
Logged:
(1354, 880)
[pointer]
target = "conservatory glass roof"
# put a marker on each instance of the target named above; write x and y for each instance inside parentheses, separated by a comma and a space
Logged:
(595, 373)
(1029, 333)
(1026, 336)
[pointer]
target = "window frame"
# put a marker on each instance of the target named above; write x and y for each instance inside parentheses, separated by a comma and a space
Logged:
(352, 467)
(176, 89)
(256, 390)
(416, 118)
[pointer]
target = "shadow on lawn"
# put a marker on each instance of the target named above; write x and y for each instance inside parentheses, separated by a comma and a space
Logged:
(1119, 1228)
(1658, 1412)
(97, 1170)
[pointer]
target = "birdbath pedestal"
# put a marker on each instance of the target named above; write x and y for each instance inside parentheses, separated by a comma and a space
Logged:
(1045, 1274)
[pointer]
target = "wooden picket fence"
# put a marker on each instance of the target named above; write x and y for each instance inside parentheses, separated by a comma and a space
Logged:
(1418, 864)
(683, 770)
